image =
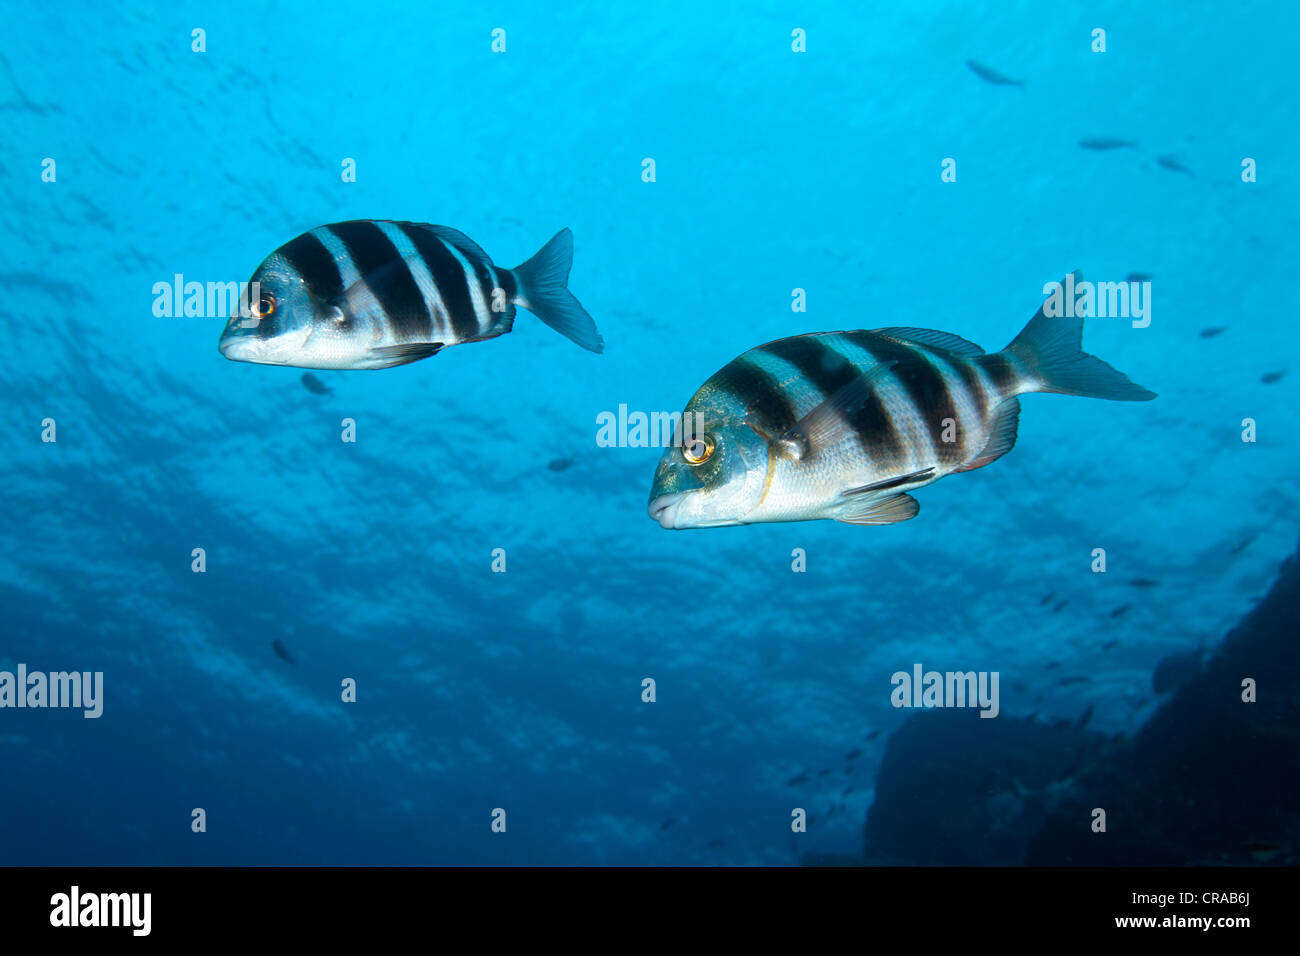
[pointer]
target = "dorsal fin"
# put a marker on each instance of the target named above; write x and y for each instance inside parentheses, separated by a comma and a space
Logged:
(933, 338)
(462, 242)
(1002, 435)
(455, 237)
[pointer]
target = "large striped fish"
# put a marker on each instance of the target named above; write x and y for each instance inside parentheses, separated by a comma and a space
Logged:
(845, 425)
(373, 294)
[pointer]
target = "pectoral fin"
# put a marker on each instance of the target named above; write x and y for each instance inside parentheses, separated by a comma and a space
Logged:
(830, 422)
(914, 478)
(889, 510)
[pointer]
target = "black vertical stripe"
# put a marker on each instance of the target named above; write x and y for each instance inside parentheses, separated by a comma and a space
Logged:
(974, 384)
(954, 382)
(478, 262)
(767, 407)
(389, 278)
(819, 364)
(508, 285)
(313, 262)
(880, 438)
(999, 371)
(922, 381)
(450, 279)
(822, 366)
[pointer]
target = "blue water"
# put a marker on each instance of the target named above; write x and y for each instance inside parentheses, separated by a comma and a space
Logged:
(371, 560)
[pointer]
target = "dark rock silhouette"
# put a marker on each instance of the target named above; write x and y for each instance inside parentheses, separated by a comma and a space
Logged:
(1208, 779)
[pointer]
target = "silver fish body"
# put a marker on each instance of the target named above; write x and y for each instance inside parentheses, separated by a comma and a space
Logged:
(845, 425)
(369, 294)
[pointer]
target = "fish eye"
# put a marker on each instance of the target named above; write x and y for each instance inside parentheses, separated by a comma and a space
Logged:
(697, 451)
(265, 306)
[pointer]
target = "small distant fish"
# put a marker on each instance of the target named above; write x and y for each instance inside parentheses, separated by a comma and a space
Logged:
(992, 76)
(1139, 277)
(1085, 717)
(370, 294)
(1019, 686)
(1121, 610)
(826, 772)
(1076, 679)
(1059, 606)
(559, 464)
(282, 652)
(798, 779)
(1143, 583)
(1242, 547)
(1106, 142)
(1052, 665)
(1213, 330)
(1032, 715)
(315, 385)
(714, 844)
(1046, 598)
(1168, 162)
(667, 823)
(843, 425)
(872, 736)
(853, 754)
(1268, 378)
(846, 791)
(1109, 644)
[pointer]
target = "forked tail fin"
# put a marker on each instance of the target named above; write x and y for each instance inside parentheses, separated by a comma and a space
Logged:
(543, 291)
(1050, 349)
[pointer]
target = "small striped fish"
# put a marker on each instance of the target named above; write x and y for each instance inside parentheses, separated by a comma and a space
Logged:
(374, 294)
(845, 425)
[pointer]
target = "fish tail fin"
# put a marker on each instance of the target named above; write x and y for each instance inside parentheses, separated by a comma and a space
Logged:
(544, 291)
(1050, 352)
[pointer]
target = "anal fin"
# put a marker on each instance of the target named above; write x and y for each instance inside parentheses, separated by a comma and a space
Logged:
(1002, 435)
(889, 510)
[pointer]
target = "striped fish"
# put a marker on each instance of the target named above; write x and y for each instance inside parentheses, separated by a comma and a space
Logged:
(373, 294)
(845, 425)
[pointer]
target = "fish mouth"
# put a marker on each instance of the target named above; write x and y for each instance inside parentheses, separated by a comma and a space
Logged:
(280, 350)
(239, 349)
(664, 509)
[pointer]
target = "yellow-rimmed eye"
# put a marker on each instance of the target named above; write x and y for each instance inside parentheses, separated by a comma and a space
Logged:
(265, 306)
(697, 451)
